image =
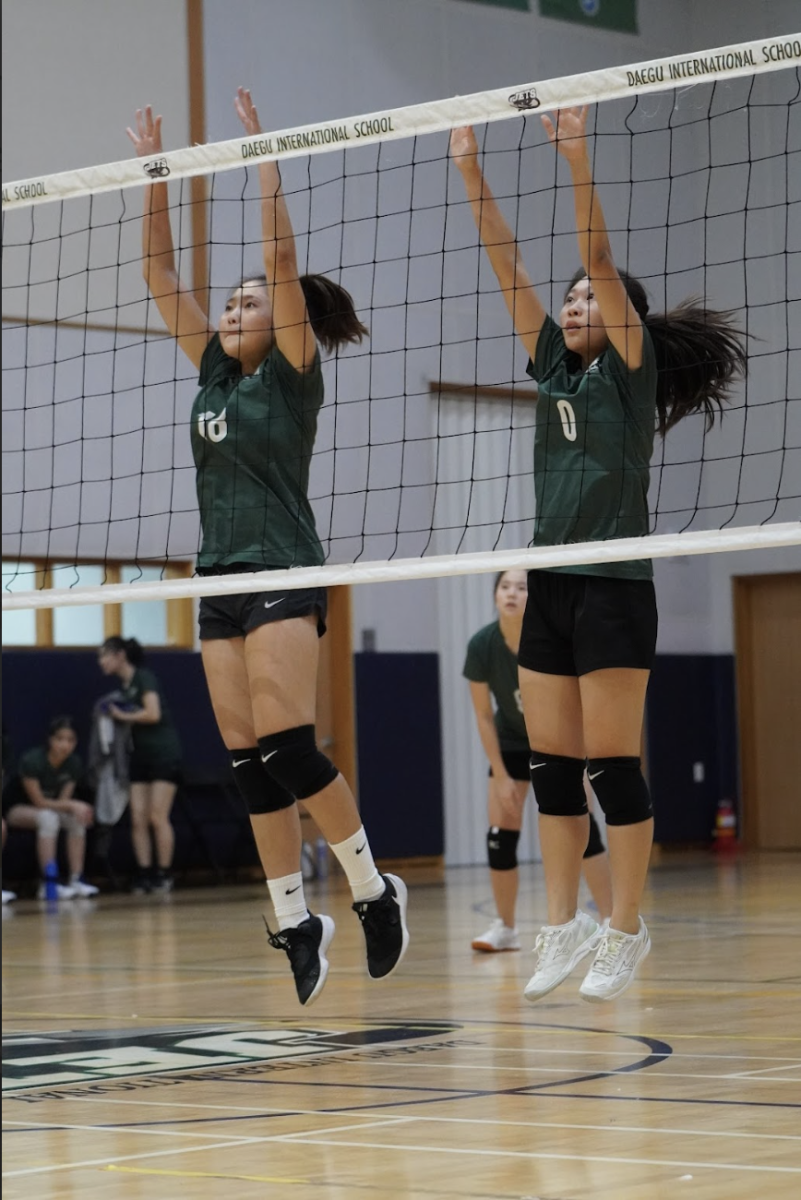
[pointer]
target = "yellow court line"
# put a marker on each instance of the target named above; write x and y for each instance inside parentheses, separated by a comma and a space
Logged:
(204, 1175)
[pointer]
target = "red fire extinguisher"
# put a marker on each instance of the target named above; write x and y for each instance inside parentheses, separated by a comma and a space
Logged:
(725, 831)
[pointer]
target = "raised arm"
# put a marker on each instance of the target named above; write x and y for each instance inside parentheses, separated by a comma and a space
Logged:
(622, 323)
(179, 309)
(291, 326)
(527, 313)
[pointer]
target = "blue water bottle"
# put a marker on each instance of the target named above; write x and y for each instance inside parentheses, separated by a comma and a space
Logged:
(51, 881)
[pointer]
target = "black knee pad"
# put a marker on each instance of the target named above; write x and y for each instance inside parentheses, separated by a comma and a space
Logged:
(558, 784)
(621, 790)
(595, 845)
(502, 848)
(259, 791)
(292, 759)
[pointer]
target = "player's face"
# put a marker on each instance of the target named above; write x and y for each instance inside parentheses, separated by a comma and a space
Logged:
(511, 594)
(246, 326)
(581, 322)
(110, 661)
(62, 744)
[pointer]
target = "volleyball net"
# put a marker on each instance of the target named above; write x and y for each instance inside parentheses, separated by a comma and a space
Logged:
(422, 464)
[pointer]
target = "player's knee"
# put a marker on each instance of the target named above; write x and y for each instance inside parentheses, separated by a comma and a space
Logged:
(595, 845)
(621, 790)
(48, 823)
(259, 790)
(502, 848)
(558, 783)
(293, 760)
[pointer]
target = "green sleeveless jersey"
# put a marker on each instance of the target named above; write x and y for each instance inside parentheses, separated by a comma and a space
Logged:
(489, 660)
(252, 441)
(157, 743)
(592, 449)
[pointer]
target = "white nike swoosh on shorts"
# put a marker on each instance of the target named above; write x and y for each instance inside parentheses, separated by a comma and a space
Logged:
(264, 757)
(595, 776)
(533, 766)
(272, 603)
(239, 762)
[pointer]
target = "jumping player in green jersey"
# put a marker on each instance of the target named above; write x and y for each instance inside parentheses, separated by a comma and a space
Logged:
(491, 669)
(253, 429)
(609, 375)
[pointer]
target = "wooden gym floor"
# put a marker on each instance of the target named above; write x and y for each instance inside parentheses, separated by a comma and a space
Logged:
(153, 1047)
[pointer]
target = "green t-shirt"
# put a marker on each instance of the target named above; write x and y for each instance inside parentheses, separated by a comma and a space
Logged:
(489, 660)
(592, 449)
(35, 764)
(156, 743)
(252, 440)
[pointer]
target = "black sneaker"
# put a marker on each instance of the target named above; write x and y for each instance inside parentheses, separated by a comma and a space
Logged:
(305, 946)
(162, 881)
(384, 924)
(142, 884)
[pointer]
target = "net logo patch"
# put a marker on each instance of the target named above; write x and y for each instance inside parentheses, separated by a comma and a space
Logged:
(83, 1056)
(157, 168)
(524, 100)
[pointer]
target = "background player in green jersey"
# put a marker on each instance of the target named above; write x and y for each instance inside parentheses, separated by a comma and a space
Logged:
(491, 668)
(609, 373)
(253, 429)
(155, 767)
(41, 796)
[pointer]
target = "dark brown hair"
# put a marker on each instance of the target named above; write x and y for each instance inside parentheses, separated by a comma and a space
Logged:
(699, 354)
(129, 647)
(332, 314)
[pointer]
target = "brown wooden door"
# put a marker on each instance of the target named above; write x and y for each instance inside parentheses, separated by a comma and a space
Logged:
(767, 611)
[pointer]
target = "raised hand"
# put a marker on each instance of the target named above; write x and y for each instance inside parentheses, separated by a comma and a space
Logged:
(246, 111)
(464, 148)
(568, 133)
(147, 138)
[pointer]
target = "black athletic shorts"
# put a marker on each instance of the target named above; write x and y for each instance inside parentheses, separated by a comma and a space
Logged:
(237, 615)
(516, 763)
(574, 624)
(146, 770)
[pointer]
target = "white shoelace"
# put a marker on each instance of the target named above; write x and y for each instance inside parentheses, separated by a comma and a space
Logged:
(609, 952)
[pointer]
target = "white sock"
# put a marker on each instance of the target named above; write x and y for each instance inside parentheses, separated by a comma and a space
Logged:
(288, 900)
(357, 862)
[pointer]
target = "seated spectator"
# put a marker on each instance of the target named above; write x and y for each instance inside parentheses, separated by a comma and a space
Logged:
(41, 797)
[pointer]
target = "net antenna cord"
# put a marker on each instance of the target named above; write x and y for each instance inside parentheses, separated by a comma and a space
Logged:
(661, 74)
(668, 545)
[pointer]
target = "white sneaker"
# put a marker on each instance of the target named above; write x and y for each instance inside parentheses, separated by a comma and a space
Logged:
(63, 891)
(8, 896)
(559, 949)
(498, 937)
(83, 889)
(615, 964)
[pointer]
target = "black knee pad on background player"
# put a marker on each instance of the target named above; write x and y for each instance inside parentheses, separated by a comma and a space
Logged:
(502, 848)
(292, 759)
(621, 790)
(595, 845)
(258, 789)
(558, 783)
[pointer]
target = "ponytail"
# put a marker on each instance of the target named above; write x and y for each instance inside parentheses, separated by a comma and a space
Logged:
(332, 314)
(699, 355)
